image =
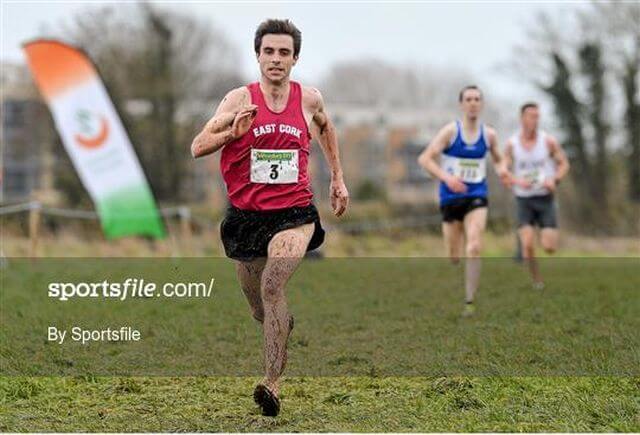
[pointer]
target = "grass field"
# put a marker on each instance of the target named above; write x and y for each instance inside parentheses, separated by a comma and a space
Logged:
(569, 404)
(387, 352)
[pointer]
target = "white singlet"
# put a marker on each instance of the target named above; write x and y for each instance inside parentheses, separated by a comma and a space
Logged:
(535, 165)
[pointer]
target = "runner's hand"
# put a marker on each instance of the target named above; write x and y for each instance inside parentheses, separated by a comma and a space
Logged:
(509, 180)
(455, 184)
(549, 184)
(525, 184)
(505, 176)
(243, 120)
(339, 197)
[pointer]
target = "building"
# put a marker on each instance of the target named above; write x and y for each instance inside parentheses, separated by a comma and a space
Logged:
(27, 138)
(379, 148)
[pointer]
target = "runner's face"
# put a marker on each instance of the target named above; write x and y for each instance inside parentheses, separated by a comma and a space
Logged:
(530, 118)
(276, 57)
(471, 104)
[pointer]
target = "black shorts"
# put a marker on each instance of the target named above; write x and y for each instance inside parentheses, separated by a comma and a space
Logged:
(457, 209)
(537, 210)
(246, 234)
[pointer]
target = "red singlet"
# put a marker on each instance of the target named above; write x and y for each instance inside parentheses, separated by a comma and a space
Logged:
(286, 130)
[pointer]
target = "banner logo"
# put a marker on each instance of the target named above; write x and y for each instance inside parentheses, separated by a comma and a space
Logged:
(94, 129)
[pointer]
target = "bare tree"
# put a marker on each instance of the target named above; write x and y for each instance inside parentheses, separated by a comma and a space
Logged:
(594, 72)
(618, 23)
(165, 62)
(586, 62)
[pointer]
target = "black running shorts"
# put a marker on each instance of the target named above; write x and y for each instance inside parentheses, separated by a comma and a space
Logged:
(457, 209)
(537, 210)
(246, 234)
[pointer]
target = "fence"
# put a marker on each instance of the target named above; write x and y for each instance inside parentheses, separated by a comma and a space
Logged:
(36, 210)
(186, 218)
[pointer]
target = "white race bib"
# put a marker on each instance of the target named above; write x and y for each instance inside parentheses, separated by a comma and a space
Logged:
(274, 166)
(535, 177)
(469, 170)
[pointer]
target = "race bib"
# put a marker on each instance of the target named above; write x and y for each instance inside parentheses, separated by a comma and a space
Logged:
(535, 177)
(274, 166)
(469, 170)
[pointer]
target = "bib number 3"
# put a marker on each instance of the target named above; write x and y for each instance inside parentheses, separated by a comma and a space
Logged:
(274, 172)
(274, 166)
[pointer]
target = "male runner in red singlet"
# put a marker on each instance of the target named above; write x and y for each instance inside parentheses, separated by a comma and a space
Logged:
(264, 131)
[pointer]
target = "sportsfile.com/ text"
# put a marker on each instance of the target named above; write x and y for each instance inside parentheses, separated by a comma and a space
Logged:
(129, 288)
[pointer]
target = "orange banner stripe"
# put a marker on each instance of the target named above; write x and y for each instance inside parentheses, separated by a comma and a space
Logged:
(57, 67)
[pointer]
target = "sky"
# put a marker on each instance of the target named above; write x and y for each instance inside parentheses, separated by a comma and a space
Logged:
(475, 36)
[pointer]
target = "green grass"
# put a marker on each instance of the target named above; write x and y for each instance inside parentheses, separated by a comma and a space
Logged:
(340, 404)
(378, 346)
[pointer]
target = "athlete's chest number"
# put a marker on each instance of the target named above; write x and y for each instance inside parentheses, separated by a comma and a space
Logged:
(469, 170)
(535, 177)
(274, 172)
(274, 166)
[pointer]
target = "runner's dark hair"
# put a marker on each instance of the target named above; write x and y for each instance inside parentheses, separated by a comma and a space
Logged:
(278, 27)
(528, 105)
(467, 88)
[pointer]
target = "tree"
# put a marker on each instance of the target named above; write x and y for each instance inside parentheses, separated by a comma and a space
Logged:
(594, 73)
(616, 24)
(568, 110)
(157, 64)
(632, 123)
(587, 63)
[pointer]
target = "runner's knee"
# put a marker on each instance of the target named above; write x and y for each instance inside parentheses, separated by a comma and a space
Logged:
(272, 290)
(548, 243)
(473, 248)
(549, 247)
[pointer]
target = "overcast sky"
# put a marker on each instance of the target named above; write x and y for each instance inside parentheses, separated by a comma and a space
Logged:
(475, 36)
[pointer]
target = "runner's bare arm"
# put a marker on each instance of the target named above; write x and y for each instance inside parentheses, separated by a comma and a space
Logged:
(323, 130)
(559, 156)
(428, 158)
(508, 161)
(496, 155)
(232, 119)
(508, 154)
(499, 162)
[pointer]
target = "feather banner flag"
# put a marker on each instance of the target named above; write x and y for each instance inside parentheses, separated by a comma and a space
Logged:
(94, 137)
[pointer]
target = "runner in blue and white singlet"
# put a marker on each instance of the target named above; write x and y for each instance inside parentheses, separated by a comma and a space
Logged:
(468, 162)
(462, 147)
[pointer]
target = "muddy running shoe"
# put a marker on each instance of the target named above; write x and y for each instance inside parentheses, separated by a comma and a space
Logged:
(264, 397)
(267, 400)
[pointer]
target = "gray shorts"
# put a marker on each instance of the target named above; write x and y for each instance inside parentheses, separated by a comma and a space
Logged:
(537, 210)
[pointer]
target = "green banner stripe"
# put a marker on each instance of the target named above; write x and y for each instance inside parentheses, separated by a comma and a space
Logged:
(130, 211)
